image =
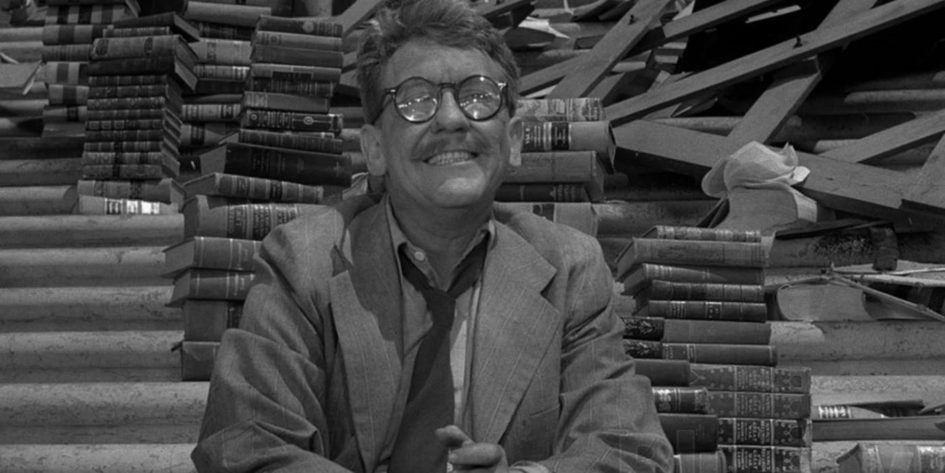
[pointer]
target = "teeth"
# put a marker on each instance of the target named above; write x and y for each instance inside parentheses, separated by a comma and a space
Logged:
(451, 157)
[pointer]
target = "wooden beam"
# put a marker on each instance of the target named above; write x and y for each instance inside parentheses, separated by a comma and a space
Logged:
(793, 84)
(698, 21)
(854, 188)
(772, 58)
(874, 148)
(927, 192)
(355, 14)
(609, 50)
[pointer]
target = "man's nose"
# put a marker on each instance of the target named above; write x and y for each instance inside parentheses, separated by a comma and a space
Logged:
(449, 116)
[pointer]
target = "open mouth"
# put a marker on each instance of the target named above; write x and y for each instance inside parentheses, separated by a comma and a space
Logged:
(450, 157)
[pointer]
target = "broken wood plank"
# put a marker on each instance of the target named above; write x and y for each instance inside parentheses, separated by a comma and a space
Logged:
(878, 146)
(793, 84)
(772, 58)
(609, 50)
(854, 188)
(357, 13)
(927, 192)
(698, 21)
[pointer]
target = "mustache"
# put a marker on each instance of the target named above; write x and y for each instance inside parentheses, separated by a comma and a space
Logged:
(473, 143)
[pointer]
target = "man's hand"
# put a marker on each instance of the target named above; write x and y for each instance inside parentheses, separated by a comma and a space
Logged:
(469, 456)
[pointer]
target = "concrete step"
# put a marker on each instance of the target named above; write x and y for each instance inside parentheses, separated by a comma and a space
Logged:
(97, 458)
(97, 413)
(61, 231)
(109, 266)
(87, 308)
(50, 147)
(37, 200)
(26, 353)
(862, 348)
(40, 172)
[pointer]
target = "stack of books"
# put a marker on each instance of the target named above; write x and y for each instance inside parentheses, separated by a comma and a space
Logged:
(69, 29)
(137, 73)
(233, 19)
(885, 457)
(567, 152)
(698, 297)
(285, 161)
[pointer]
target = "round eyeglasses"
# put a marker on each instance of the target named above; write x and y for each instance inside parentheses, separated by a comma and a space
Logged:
(417, 99)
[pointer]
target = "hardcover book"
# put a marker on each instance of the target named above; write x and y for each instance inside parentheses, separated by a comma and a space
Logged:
(759, 404)
(205, 252)
(714, 353)
(690, 433)
(704, 310)
(210, 284)
(196, 360)
(669, 290)
(691, 253)
(304, 167)
(762, 431)
(219, 216)
(881, 457)
(696, 331)
(205, 320)
(95, 205)
(162, 190)
(681, 399)
(561, 167)
(757, 458)
(255, 188)
(679, 232)
(773, 379)
(573, 109)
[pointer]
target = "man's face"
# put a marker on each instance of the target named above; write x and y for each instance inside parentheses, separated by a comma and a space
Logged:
(450, 161)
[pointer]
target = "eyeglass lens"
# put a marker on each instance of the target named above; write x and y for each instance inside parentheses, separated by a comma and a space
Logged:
(418, 99)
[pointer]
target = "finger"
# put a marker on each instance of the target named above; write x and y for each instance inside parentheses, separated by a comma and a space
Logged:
(477, 455)
(452, 437)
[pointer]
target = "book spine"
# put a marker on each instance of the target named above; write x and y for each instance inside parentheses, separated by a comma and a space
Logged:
(667, 290)
(295, 40)
(92, 205)
(112, 158)
(205, 320)
(674, 232)
(62, 94)
(696, 331)
(571, 109)
(125, 171)
(681, 399)
(273, 119)
(130, 124)
(567, 136)
(286, 55)
(643, 348)
(196, 360)
(284, 165)
(293, 87)
(718, 377)
(134, 47)
(542, 192)
(57, 72)
(255, 221)
(156, 191)
(124, 146)
(220, 31)
(291, 72)
(322, 142)
(711, 462)
(66, 113)
(760, 431)
(86, 14)
(146, 134)
(230, 253)
(71, 34)
(127, 113)
(690, 433)
(221, 285)
(759, 404)
(572, 166)
(222, 51)
(149, 90)
(285, 102)
(205, 134)
(66, 52)
(755, 458)
(254, 188)
(237, 15)
(717, 353)
(222, 72)
(137, 31)
(210, 112)
(693, 274)
(135, 80)
(707, 310)
(664, 372)
(306, 26)
(132, 65)
(128, 102)
(709, 253)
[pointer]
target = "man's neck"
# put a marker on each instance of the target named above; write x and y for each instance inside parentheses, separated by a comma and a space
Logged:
(444, 236)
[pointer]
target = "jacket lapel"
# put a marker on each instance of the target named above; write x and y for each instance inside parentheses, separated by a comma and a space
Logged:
(514, 326)
(366, 310)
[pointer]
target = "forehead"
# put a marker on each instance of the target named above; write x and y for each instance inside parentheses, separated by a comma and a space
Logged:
(438, 63)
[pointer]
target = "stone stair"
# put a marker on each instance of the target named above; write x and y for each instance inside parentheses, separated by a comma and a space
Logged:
(88, 378)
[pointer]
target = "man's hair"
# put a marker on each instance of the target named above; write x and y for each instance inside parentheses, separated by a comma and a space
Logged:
(451, 23)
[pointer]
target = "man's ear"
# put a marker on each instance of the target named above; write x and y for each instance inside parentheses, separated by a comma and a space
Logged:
(516, 134)
(372, 149)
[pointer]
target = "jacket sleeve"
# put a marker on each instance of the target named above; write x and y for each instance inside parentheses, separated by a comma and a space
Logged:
(266, 408)
(608, 419)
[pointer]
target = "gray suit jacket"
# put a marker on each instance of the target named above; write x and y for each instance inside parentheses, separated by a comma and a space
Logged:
(309, 381)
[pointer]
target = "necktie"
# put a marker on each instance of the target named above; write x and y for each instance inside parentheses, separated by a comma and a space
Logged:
(430, 402)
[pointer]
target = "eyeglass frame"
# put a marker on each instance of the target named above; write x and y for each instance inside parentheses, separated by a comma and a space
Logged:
(454, 86)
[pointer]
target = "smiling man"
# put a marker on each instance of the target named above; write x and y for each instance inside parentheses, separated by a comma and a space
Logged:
(420, 330)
